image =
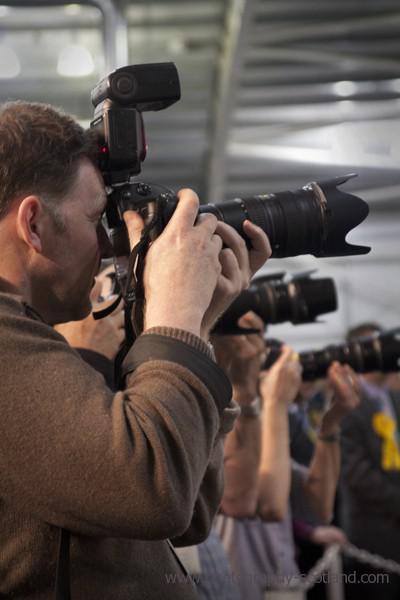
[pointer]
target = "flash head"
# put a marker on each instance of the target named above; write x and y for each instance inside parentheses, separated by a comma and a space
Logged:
(145, 87)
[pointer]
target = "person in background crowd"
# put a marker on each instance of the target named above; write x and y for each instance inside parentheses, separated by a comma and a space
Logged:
(371, 480)
(263, 486)
(305, 417)
(241, 357)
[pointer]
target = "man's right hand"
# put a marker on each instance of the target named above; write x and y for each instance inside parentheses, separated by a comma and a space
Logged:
(182, 266)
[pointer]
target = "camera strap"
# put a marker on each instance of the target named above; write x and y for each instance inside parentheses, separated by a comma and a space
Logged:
(62, 586)
(104, 312)
(132, 292)
(133, 295)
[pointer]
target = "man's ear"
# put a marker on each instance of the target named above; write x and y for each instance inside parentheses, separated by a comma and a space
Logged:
(29, 222)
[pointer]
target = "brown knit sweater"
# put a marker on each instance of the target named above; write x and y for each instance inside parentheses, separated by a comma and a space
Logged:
(121, 471)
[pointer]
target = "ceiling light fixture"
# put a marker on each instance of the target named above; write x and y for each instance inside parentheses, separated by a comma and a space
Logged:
(345, 88)
(10, 66)
(75, 61)
(72, 9)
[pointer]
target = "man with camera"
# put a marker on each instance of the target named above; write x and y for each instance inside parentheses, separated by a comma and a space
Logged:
(121, 472)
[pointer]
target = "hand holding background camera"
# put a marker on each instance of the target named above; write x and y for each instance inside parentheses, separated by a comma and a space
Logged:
(282, 382)
(325, 464)
(278, 388)
(241, 357)
(345, 386)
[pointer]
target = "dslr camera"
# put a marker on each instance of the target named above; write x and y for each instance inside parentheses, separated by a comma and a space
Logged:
(314, 219)
(276, 299)
(377, 352)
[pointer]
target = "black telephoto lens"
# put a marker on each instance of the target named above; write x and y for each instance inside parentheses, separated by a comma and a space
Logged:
(298, 300)
(377, 352)
(312, 220)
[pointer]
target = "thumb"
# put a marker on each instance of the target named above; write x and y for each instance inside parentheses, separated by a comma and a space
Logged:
(286, 354)
(134, 224)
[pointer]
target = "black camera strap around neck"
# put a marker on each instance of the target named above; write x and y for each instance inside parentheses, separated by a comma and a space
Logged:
(63, 586)
(133, 295)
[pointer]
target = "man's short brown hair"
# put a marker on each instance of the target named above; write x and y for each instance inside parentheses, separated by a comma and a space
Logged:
(40, 148)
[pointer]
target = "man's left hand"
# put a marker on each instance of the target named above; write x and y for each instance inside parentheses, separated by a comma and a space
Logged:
(238, 266)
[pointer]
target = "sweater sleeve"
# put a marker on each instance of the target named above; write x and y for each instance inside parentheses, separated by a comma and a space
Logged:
(212, 485)
(77, 456)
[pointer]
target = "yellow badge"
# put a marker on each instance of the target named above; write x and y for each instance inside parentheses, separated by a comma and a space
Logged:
(385, 427)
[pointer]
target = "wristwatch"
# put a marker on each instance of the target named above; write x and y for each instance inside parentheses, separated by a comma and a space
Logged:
(251, 410)
(330, 439)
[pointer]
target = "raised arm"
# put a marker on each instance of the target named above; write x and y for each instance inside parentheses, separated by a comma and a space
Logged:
(321, 483)
(279, 387)
(241, 356)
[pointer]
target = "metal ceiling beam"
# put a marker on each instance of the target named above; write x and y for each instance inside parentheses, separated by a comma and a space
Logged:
(297, 54)
(274, 9)
(50, 23)
(164, 13)
(115, 33)
(341, 28)
(238, 18)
